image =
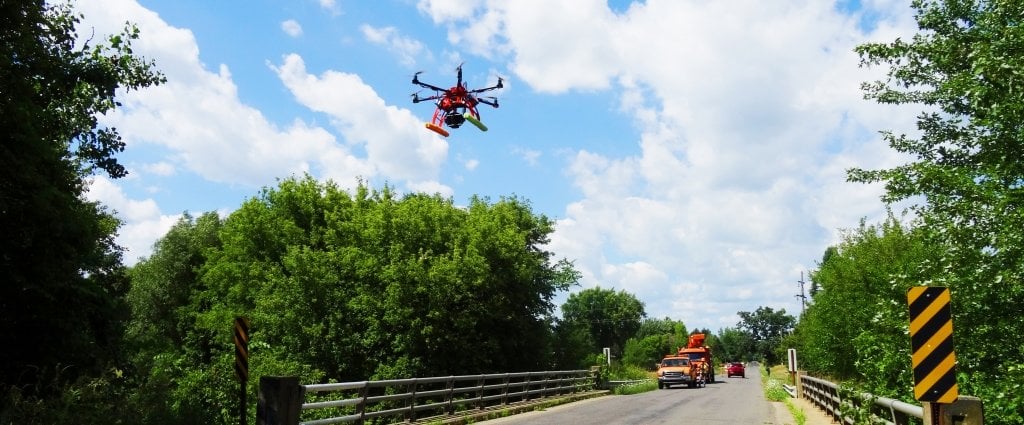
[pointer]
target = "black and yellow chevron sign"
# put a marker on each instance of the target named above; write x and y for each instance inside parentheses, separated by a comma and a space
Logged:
(931, 344)
(242, 348)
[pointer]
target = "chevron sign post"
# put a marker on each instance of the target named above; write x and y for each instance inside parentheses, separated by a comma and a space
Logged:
(931, 341)
(242, 363)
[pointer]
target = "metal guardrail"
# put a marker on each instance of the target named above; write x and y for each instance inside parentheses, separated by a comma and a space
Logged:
(284, 402)
(830, 398)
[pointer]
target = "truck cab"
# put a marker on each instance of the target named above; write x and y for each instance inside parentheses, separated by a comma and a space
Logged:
(676, 370)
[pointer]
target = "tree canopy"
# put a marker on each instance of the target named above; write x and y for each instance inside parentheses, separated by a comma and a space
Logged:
(766, 328)
(609, 317)
(965, 68)
(348, 286)
(62, 273)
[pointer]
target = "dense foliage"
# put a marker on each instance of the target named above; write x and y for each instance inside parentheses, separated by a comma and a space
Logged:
(63, 282)
(372, 285)
(855, 329)
(344, 287)
(965, 68)
(653, 340)
(608, 317)
(766, 328)
(735, 344)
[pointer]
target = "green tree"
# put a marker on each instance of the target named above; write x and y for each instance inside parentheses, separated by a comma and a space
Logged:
(964, 68)
(766, 328)
(610, 317)
(854, 328)
(63, 282)
(572, 346)
(735, 345)
(654, 339)
(365, 285)
(675, 330)
(165, 297)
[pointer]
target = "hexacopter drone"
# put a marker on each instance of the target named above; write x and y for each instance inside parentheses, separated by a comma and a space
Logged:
(455, 105)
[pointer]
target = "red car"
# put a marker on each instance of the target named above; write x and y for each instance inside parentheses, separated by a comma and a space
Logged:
(735, 368)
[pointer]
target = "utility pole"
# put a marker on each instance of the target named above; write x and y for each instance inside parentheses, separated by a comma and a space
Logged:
(801, 296)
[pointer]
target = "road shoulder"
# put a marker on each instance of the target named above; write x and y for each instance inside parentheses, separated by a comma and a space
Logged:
(812, 414)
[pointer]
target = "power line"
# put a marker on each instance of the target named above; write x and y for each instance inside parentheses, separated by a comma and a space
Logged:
(801, 296)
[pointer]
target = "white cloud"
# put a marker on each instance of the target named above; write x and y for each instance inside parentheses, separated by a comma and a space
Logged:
(162, 168)
(292, 28)
(748, 115)
(330, 6)
(198, 117)
(447, 10)
(407, 49)
(531, 156)
(143, 221)
(395, 144)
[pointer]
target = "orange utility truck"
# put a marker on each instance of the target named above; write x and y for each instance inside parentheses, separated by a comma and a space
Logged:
(677, 370)
(700, 355)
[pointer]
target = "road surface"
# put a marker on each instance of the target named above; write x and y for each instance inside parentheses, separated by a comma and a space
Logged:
(727, 401)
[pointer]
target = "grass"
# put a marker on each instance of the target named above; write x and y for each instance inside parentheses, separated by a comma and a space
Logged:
(641, 387)
(773, 391)
(798, 414)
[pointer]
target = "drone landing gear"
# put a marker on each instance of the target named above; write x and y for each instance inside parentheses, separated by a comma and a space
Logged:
(437, 129)
(472, 120)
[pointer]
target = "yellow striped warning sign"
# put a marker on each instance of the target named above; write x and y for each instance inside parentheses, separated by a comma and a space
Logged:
(242, 348)
(931, 344)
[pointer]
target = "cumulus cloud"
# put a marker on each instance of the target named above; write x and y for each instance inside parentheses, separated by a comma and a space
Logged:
(292, 28)
(162, 168)
(330, 6)
(407, 49)
(143, 221)
(748, 115)
(198, 117)
(392, 137)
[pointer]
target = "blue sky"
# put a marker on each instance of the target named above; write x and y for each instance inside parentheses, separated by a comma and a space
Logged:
(692, 153)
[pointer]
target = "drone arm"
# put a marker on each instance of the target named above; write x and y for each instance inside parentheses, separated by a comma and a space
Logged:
(416, 81)
(417, 99)
(494, 87)
(491, 101)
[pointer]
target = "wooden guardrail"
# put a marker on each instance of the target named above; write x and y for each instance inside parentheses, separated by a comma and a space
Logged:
(283, 401)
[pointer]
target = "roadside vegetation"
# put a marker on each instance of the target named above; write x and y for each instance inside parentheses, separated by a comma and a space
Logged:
(965, 179)
(362, 284)
(772, 383)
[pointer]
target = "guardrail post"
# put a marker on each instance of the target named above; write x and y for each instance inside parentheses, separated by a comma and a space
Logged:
(966, 410)
(799, 383)
(361, 406)
(480, 392)
(526, 387)
(504, 391)
(410, 416)
(450, 395)
(280, 400)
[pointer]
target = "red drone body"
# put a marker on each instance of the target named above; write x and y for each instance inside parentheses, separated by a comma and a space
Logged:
(455, 105)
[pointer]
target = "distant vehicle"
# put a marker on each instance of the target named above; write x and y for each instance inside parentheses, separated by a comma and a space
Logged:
(737, 369)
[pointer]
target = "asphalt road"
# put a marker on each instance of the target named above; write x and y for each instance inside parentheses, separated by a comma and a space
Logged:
(727, 401)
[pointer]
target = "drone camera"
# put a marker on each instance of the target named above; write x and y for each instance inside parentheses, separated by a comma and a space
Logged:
(454, 120)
